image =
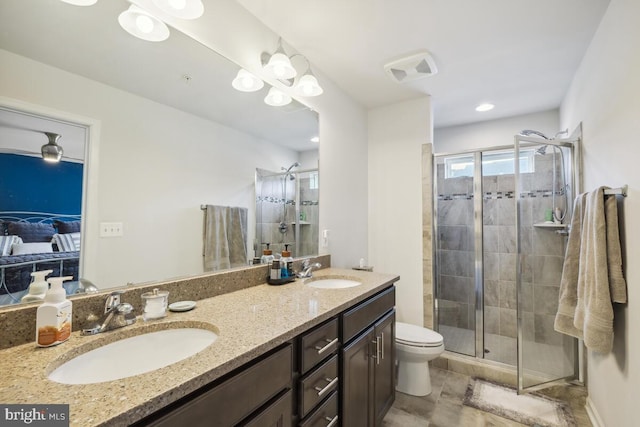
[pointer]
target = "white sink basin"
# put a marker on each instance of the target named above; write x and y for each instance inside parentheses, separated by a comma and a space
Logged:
(333, 283)
(133, 356)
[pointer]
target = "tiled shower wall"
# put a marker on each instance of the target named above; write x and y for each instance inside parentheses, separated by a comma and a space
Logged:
(270, 203)
(543, 251)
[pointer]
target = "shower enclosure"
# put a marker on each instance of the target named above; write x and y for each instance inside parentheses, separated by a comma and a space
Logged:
(287, 211)
(500, 227)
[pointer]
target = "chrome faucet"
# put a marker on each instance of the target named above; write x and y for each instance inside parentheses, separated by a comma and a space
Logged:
(307, 268)
(116, 315)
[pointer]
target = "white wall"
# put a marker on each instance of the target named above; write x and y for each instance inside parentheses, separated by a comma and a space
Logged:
(156, 166)
(605, 97)
(493, 132)
(396, 135)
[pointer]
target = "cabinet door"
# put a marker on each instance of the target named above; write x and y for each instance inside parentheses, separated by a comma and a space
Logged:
(384, 366)
(358, 381)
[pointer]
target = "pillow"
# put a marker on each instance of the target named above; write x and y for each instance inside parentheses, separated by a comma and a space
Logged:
(31, 231)
(65, 227)
(31, 248)
(6, 242)
(67, 242)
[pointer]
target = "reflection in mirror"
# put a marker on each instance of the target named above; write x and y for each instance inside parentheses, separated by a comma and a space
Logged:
(171, 134)
(287, 210)
(40, 202)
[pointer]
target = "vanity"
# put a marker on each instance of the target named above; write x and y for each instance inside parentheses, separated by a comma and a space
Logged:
(285, 355)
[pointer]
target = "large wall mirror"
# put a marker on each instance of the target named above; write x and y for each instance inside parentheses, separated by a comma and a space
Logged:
(161, 133)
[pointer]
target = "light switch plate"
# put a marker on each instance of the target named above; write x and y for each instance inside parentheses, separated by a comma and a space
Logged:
(110, 229)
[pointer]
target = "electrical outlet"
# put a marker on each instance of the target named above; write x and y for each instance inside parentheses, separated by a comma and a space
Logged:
(110, 229)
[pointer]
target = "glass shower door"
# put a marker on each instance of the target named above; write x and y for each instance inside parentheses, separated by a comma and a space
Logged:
(544, 355)
(457, 190)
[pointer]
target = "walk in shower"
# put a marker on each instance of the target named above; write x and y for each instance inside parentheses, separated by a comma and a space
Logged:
(500, 231)
(287, 210)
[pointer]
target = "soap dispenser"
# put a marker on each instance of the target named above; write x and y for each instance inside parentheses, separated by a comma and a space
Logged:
(267, 256)
(53, 317)
(286, 263)
(38, 287)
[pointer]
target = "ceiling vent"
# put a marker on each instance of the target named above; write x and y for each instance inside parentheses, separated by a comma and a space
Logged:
(412, 67)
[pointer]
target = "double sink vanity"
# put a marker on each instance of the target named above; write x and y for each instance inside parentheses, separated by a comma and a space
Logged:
(318, 351)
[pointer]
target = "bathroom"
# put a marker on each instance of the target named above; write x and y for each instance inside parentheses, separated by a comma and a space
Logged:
(355, 198)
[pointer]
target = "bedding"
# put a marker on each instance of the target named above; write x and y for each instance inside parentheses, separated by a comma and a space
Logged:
(31, 231)
(67, 242)
(17, 277)
(66, 227)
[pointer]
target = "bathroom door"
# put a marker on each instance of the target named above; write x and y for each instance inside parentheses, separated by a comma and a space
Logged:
(544, 182)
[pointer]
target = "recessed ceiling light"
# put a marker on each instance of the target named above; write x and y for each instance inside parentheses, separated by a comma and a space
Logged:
(485, 107)
(315, 139)
(81, 2)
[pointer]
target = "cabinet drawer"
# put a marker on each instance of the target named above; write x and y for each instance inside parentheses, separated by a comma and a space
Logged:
(366, 313)
(236, 398)
(318, 344)
(278, 414)
(326, 415)
(318, 385)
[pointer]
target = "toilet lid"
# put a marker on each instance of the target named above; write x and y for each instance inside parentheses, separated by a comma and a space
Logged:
(417, 336)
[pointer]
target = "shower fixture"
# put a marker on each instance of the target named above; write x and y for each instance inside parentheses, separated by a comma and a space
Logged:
(529, 132)
(283, 227)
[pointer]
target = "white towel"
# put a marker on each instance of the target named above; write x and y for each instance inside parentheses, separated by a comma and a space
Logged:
(592, 273)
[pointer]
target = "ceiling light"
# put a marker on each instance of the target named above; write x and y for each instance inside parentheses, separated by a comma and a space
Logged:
(315, 139)
(81, 2)
(277, 98)
(143, 25)
(246, 82)
(183, 9)
(308, 85)
(51, 151)
(278, 64)
(484, 107)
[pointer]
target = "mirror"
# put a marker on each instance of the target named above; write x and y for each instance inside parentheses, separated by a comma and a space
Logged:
(168, 133)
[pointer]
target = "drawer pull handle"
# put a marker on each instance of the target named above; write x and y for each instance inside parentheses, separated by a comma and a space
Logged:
(328, 346)
(377, 355)
(326, 388)
(332, 421)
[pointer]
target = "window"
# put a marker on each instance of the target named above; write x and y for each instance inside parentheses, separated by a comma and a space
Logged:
(496, 163)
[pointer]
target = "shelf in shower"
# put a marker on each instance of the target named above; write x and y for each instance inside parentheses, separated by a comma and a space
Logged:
(550, 225)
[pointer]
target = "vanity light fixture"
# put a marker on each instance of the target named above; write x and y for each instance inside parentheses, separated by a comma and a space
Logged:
(246, 82)
(51, 151)
(278, 64)
(81, 2)
(183, 9)
(308, 85)
(484, 107)
(143, 25)
(277, 98)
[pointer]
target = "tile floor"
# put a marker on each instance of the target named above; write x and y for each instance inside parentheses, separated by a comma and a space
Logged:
(444, 408)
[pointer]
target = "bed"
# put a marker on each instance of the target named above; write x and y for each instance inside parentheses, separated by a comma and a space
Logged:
(32, 241)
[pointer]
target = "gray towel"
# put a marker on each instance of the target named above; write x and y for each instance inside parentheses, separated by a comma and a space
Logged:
(225, 237)
(592, 273)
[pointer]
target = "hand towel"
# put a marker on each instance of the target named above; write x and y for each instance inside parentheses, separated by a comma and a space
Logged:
(225, 237)
(592, 274)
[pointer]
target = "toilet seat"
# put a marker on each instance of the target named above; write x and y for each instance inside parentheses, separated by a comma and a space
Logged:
(417, 336)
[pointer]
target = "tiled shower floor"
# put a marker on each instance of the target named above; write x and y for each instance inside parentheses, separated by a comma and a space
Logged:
(540, 358)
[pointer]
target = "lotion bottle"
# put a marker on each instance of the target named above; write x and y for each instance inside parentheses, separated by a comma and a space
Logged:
(286, 263)
(38, 287)
(53, 318)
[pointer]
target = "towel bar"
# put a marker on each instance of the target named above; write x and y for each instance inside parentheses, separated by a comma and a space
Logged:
(622, 191)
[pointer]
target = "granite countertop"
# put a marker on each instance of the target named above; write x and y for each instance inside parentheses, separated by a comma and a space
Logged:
(249, 322)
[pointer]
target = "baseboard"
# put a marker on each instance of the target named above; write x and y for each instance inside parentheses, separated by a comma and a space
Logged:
(594, 417)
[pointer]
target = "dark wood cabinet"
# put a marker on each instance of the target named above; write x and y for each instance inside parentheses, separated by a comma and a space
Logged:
(368, 362)
(341, 372)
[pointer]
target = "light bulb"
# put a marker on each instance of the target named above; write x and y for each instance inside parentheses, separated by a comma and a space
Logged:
(178, 4)
(144, 24)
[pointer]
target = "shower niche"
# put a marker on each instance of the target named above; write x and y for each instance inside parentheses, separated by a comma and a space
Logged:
(287, 211)
(499, 254)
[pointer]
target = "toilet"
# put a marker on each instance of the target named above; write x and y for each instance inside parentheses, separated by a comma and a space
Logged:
(415, 347)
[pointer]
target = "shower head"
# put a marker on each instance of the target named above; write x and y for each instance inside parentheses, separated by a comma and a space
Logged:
(542, 150)
(295, 165)
(529, 132)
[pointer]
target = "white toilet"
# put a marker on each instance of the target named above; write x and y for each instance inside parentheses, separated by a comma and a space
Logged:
(415, 347)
